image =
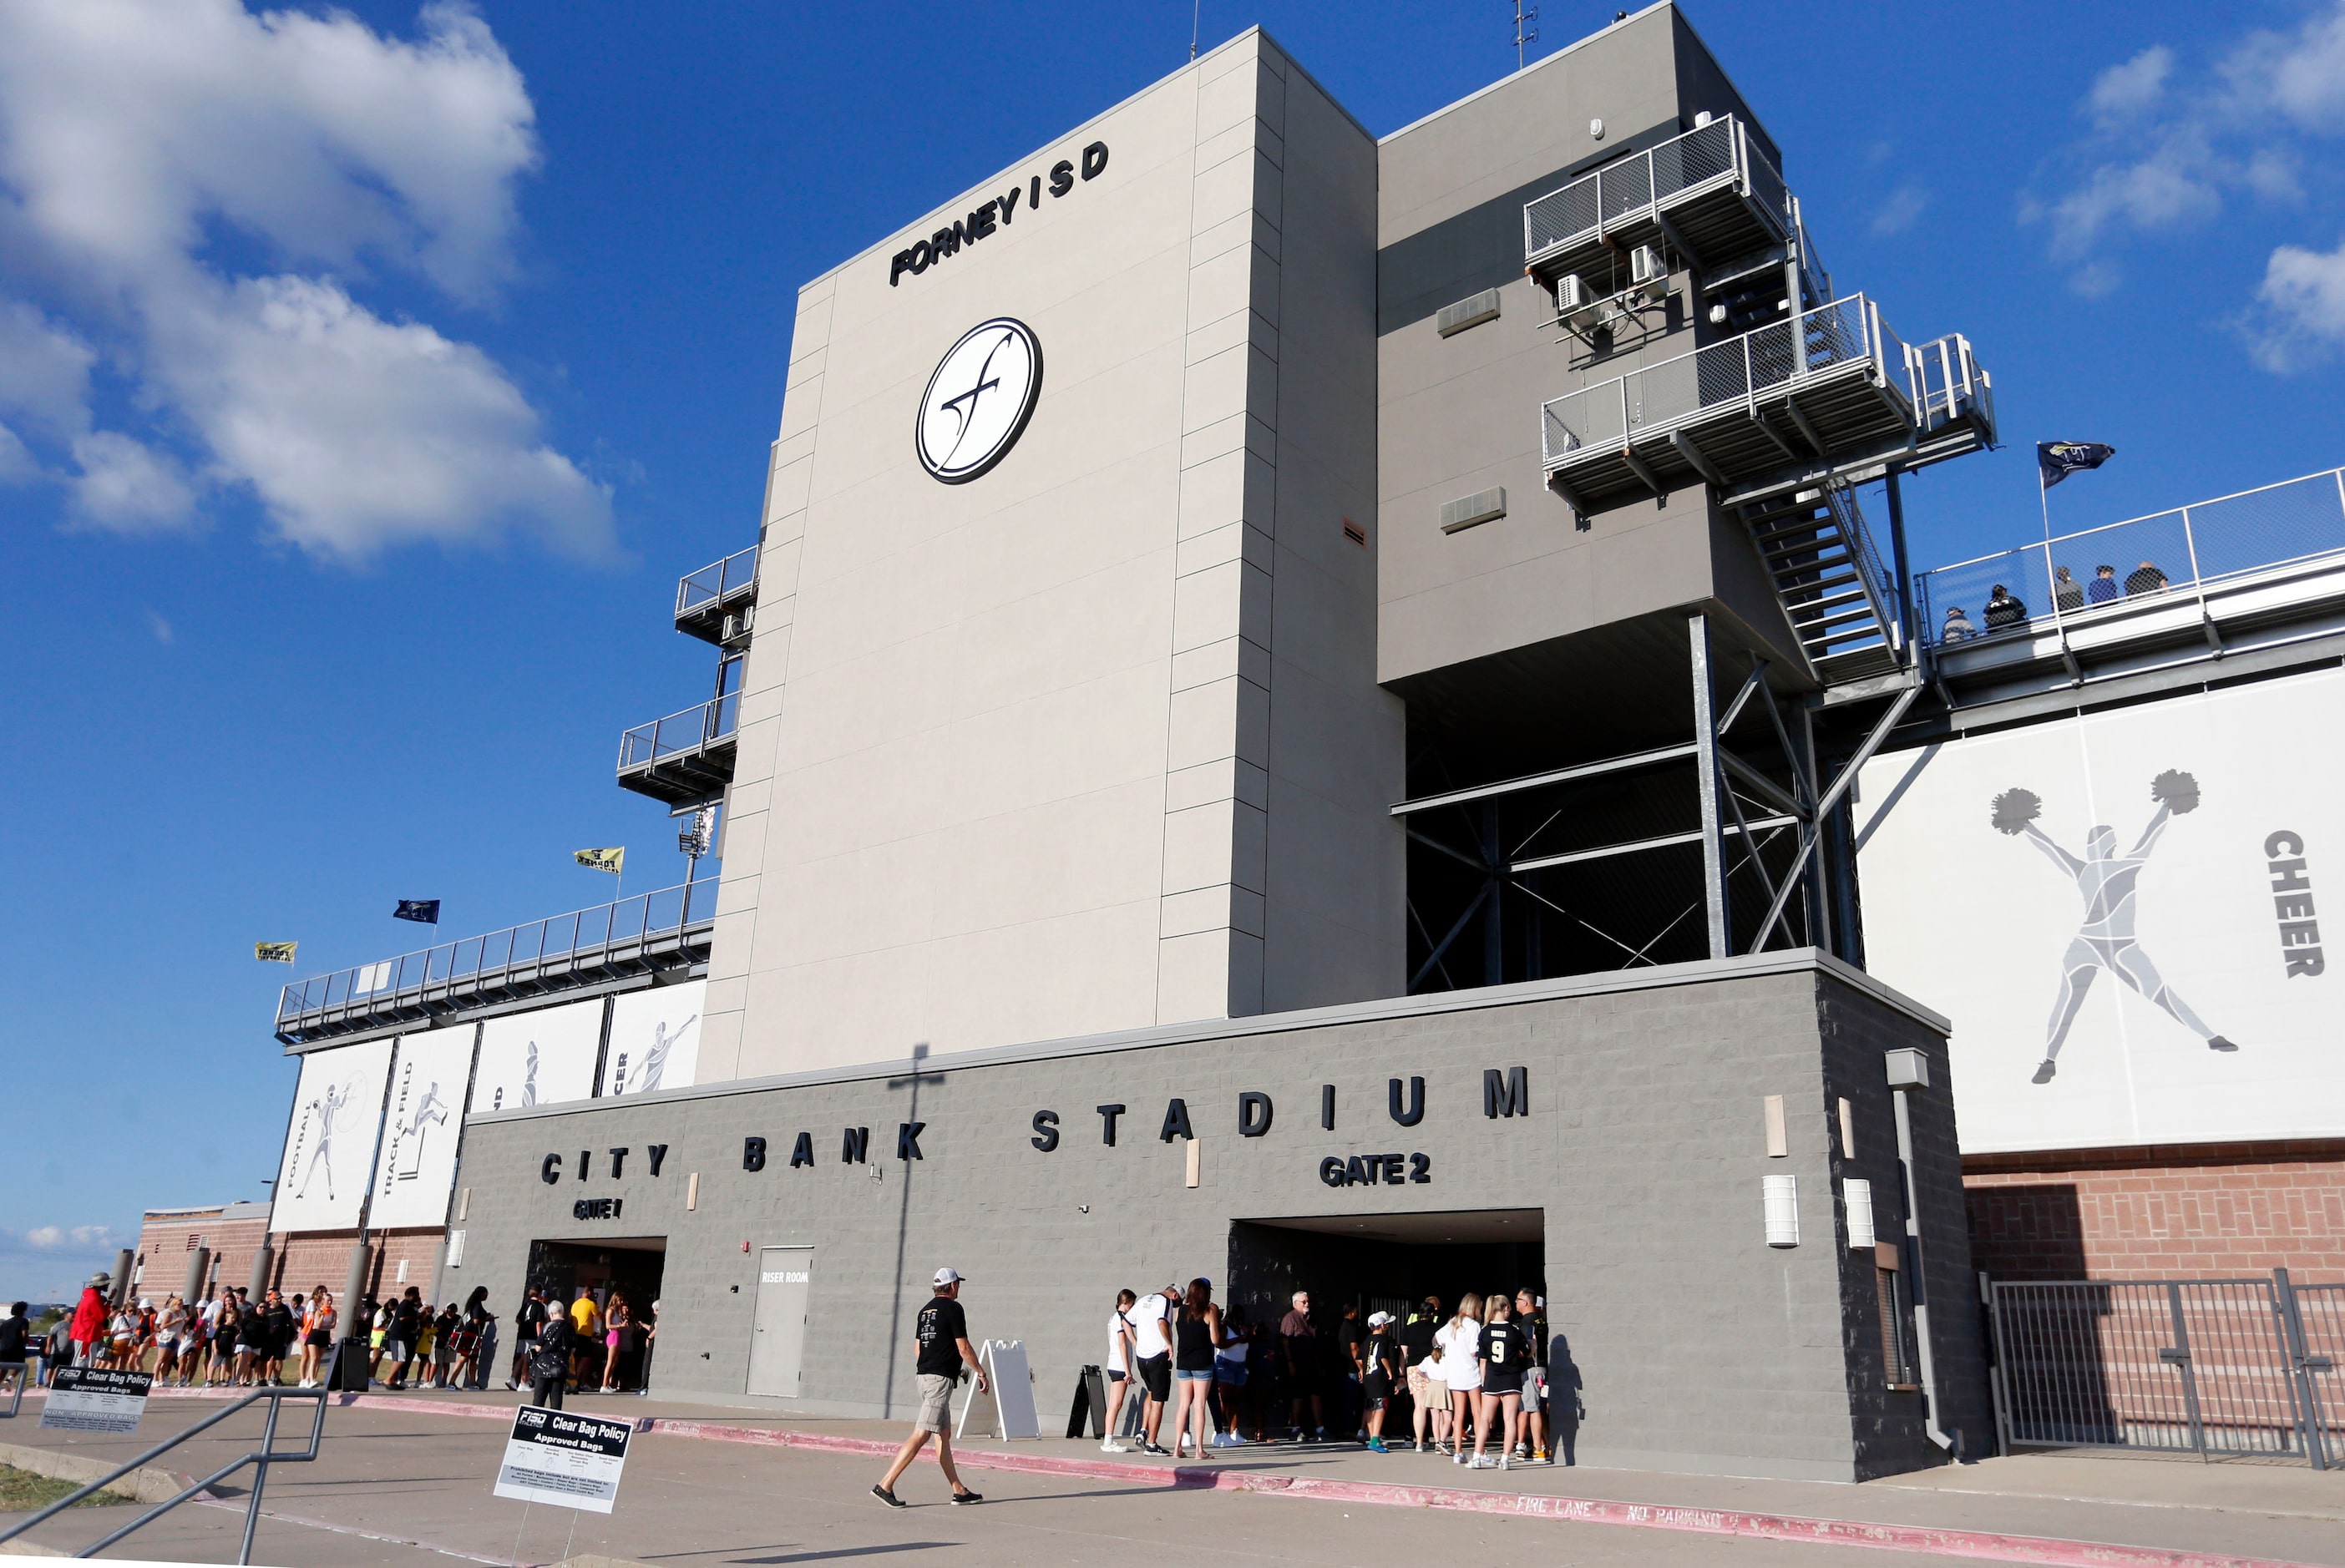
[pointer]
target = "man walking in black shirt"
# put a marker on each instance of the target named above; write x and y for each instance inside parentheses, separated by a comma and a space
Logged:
(941, 1333)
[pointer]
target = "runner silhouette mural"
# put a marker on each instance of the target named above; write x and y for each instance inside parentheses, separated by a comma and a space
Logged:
(2108, 882)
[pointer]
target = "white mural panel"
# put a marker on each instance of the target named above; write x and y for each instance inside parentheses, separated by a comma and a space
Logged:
(543, 1057)
(421, 1127)
(2120, 915)
(654, 1039)
(329, 1147)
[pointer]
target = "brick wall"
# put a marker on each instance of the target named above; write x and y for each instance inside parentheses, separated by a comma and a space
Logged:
(311, 1259)
(167, 1243)
(2172, 1212)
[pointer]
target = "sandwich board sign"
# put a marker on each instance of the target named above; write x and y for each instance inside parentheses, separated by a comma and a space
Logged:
(93, 1398)
(568, 1461)
(1006, 1409)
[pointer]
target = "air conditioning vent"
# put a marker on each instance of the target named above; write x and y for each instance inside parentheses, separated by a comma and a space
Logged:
(1570, 293)
(1468, 312)
(1466, 511)
(1645, 264)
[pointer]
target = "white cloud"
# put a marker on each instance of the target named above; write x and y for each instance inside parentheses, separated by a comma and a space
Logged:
(16, 461)
(2175, 148)
(132, 133)
(2299, 315)
(51, 1236)
(129, 487)
(2124, 91)
(1897, 214)
(43, 370)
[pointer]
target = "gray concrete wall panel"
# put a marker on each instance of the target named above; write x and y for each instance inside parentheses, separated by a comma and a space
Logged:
(1700, 1347)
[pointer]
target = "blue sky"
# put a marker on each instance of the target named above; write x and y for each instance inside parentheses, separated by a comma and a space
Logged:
(527, 271)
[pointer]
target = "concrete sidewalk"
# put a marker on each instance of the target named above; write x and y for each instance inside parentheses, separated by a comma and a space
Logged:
(2037, 1508)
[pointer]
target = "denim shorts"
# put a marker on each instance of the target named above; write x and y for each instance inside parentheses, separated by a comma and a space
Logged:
(1182, 1374)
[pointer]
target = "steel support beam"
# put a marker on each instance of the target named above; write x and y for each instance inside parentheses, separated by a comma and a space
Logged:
(1831, 798)
(1538, 781)
(1713, 839)
(1644, 470)
(1698, 458)
(1666, 841)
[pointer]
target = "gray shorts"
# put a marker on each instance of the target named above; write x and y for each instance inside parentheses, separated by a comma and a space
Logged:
(936, 1404)
(1534, 1390)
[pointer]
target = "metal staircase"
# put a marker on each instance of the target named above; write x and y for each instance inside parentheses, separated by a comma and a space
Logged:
(1829, 580)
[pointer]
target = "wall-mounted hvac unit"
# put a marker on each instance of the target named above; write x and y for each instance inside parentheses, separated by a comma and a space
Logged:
(1570, 294)
(1645, 263)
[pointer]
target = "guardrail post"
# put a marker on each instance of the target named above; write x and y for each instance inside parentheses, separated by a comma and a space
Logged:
(2179, 1356)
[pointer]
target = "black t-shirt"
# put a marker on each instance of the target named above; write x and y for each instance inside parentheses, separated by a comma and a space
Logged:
(940, 1327)
(1349, 1337)
(1382, 1354)
(1502, 1349)
(13, 1329)
(531, 1318)
(1416, 1339)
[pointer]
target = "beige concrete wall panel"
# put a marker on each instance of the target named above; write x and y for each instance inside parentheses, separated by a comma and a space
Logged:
(1235, 279)
(1193, 977)
(1235, 487)
(1233, 233)
(1099, 963)
(1231, 542)
(791, 484)
(1224, 778)
(1239, 327)
(1238, 433)
(1227, 718)
(791, 451)
(1063, 638)
(1061, 856)
(1207, 909)
(1243, 378)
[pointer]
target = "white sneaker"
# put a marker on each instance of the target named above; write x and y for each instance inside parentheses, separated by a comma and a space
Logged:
(1505, 1461)
(1109, 1445)
(1481, 1461)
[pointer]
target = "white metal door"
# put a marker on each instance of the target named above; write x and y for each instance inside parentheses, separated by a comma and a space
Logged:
(784, 1283)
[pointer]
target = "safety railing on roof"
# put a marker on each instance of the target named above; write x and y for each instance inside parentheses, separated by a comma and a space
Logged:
(1632, 187)
(1654, 398)
(687, 731)
(2094, 573)
(716, 580)
(582, 933)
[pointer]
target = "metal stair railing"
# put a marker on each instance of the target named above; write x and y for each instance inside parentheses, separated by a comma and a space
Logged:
(261, 1461)
(16, 1396)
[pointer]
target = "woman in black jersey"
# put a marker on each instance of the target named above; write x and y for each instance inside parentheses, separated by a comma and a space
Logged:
(1195, 1338)
(1504, 1352)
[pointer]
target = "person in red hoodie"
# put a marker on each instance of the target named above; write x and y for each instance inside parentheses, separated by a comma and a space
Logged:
(90, 1319)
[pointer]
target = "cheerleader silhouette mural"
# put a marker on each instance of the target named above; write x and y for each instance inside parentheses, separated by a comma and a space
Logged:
(2108, 883)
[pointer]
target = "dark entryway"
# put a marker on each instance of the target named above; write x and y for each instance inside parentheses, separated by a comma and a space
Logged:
(628, 1266)
(1384, 1262)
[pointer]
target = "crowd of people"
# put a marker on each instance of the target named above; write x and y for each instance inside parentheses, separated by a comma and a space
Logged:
(1472, 1383)
(572, 1346)
(2005, 609)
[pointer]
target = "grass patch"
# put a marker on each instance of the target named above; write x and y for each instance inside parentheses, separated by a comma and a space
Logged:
(21, 1492)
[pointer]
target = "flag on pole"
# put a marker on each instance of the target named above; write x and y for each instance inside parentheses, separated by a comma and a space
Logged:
(2056, 460)
(613, 860)
(424, 911)
(274, 952)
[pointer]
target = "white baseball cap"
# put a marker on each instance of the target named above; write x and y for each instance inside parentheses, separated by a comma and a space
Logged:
(946, 1277)
(1378, 1319)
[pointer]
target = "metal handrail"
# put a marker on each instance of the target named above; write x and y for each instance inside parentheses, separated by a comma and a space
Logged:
(24, 1376)
(716, 580)
(687, 729)
(641, 917)
(2255, 529)
(1656, 398)
(1609, 198)
(261, 1461)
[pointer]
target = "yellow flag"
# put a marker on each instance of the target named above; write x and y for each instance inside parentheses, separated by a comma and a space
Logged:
(274, 952)
(613, 860)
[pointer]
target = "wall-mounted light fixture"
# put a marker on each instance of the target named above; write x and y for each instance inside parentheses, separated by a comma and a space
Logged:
(1782, 1199)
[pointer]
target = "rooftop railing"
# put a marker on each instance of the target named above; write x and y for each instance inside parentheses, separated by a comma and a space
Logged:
(687, 731)
(2061, 582)
(1655, 399)
(1622, 192)
(716, 580)
(560, 940)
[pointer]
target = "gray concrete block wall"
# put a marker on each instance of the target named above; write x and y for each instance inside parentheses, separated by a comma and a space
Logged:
(1701, 1348)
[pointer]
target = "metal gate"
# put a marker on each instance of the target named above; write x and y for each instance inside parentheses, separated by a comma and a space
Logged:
(2211, 1367)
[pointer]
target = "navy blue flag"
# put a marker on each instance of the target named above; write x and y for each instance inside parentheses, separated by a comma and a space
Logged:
(426, 910)
(2056, 460)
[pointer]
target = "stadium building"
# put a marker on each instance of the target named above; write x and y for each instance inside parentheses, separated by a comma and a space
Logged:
(1323, 712)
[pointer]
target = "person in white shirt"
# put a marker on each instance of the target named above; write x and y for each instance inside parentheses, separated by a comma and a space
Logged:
(1118, 1368)
(1153, 1318)
(1460, 1341)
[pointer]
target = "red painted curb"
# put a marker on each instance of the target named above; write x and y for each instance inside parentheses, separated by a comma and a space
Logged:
(1986, 1545)
(1982, 1545)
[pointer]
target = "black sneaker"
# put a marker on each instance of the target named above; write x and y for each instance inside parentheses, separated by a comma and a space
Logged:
(962, 1497)
(1156, 1449)
(890, 1499)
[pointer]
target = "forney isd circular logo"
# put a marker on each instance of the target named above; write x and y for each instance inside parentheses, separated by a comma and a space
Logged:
(979, 401)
